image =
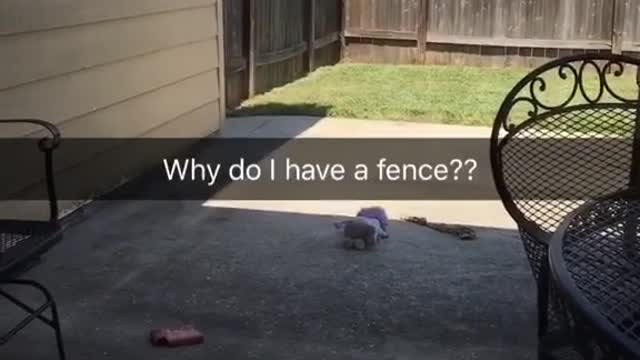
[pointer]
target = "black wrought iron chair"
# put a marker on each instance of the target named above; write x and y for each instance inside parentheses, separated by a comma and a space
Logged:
(23, 242)
(546, 160)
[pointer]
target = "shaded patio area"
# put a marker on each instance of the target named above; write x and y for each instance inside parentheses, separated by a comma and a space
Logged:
(276, 285)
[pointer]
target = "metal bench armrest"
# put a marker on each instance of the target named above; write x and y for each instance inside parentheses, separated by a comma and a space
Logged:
(47, 144)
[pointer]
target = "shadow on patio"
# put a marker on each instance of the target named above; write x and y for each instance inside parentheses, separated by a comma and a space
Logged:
(275, 285)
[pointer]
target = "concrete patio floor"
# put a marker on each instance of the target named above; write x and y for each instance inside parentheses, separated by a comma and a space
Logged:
(269, 280)
(271, 285)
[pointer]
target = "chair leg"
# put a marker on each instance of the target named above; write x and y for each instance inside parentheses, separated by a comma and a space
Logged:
(35, 313)
(543, 302)
(585, 350)
(544, 355)
(58, 331)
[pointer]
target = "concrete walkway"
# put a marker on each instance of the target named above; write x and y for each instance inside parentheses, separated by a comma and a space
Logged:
(327, 127)
(270, 280)
(477, 213)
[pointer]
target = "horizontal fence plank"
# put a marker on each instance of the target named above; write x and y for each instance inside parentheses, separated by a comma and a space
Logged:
(327, 40)
(235, 65)
(281, 55)
(479, 41)
(511, 42)
(381, 34)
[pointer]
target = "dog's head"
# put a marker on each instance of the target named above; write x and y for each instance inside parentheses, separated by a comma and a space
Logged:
(377, 213)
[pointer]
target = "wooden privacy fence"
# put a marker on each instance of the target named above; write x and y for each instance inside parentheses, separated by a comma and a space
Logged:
(269, 43)
(487, 32)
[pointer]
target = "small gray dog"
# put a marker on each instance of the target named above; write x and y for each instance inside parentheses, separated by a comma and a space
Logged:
(366, 230)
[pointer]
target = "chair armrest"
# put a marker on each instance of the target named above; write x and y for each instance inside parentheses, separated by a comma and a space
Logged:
(47, 143)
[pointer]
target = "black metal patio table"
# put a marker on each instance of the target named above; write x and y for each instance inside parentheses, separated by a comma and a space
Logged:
(595, 264)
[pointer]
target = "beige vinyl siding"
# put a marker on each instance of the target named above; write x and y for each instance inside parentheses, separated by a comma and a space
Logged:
(117, 68)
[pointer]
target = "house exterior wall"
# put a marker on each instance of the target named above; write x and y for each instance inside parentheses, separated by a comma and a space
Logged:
(112, 69)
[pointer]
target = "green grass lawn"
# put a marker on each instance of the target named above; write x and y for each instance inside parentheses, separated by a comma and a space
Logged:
(438, 94)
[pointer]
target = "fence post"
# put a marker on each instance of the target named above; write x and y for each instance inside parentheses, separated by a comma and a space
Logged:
(421, 30)
(311, 35)
(617, 31)
(343, 31)
(251, 53)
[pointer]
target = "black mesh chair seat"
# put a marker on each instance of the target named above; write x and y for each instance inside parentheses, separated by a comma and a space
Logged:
(564, 135)
(23, 241)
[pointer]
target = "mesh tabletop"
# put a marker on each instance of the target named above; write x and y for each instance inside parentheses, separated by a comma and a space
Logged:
(595, 258)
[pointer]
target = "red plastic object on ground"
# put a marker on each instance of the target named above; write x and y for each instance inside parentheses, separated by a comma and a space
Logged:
(184, 336)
